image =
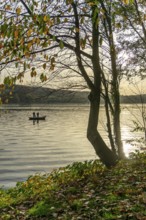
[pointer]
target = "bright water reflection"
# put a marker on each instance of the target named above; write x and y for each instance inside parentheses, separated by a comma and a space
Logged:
(27, 148)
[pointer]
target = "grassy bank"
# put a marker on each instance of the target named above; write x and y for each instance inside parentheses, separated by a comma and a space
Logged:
(81, 191)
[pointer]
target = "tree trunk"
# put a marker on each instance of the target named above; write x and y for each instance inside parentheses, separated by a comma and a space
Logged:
(117, 126)
(108, 108)
(107, 156)
(115, 79)
(109, 128)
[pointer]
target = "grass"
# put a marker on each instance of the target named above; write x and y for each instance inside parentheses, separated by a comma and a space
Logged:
(81, 191)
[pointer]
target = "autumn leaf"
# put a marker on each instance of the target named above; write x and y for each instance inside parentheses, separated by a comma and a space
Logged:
(69, 2)
(82, 20)
(83, 43)
(29, 45)
(20, 75)
(22, 41)
(45, 18)
(52, 67)
(16, 34)
(8, 7)
(91, 3)
(65, 20)
(52, 60)
(77, 30)
(37, 41)
(126, 2)
(18, 11)
(27, 54)
(1, 45)
(29, 32)
(118, 25)
(43, 77)
(44, 66)
(33, 72)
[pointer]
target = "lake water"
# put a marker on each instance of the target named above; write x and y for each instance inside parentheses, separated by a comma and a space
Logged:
(27, 148)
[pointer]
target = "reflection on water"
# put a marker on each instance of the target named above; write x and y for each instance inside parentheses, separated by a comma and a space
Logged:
(28, 147)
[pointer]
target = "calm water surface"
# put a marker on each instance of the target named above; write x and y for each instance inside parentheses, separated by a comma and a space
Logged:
(27, 148)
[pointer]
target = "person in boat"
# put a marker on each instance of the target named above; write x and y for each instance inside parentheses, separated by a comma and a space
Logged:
(34, 115)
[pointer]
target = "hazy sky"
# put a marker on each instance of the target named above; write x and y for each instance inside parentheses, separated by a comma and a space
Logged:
(136, 86)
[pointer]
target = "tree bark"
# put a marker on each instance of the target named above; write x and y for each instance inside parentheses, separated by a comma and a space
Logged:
(107, 156)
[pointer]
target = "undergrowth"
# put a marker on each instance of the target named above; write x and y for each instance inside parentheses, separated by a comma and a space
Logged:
(83, 191)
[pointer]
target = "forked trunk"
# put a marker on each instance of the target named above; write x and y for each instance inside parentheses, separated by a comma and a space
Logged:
(107, 156)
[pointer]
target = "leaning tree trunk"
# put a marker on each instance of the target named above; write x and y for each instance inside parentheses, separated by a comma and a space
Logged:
(107, 156)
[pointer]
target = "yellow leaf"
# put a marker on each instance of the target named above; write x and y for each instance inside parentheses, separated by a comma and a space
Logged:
(45, 18)
(126, 2)
(8, 7)
(46, 57)
(29, 32)
(37, 40)
(52, 67)
(27, 54)
(16, 34)
(45, 78)
(77, 29)
(18, 11)
(91, 4)
(29, 45)
(22, 41)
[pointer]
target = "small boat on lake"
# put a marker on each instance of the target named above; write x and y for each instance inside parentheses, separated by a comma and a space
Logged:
(37, 118)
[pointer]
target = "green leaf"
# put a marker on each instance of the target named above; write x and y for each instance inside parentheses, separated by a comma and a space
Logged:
(8, 81)
(61, 45)
(43, 77)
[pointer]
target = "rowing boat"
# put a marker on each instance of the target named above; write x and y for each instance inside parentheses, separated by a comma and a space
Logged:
(37, 118)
